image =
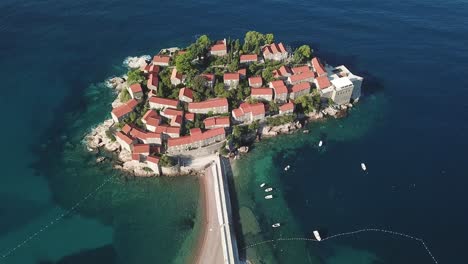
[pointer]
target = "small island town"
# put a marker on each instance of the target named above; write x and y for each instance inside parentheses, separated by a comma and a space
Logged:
(216, 97)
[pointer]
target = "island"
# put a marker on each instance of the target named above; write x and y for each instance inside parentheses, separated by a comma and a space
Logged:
(177, 109)
(191, 111)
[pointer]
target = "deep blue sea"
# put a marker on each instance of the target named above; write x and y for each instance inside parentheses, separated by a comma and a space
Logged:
(410, 128)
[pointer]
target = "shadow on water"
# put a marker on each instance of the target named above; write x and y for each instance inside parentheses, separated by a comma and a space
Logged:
(235, 210)
(18, 212)
(105, 254)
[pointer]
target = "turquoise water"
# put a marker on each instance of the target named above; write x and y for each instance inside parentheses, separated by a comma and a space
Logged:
(409, 129)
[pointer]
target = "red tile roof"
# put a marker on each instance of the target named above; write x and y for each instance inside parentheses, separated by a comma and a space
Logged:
(164, 101)
(282, 71)
(210, 103)
(124, 137)
(171, 142)
(177, 120)
(152, 159)
(300, 69)
(323, 82)
(125, 109)
(172, 112)
(151, 135)
(138, 133)
(255, 80)
(261, 91)
(274, 48)
(302, 76)
(242, 71)
(141, 149)
(219, 46)
(255, 109)
(231, 76)
(126, 128)
(195, 130)
(168, 129)
(237, 112)
(279, 87)
(208, 76)
(172, 130)
(154, 69)
(161, 59)
(300, 87)
(153, 80)
(248, 57)
(175, 74)
(150, 113)
(153, 121)
(217, 121)
(136, 157)
(287, 107)
(132, 103)
(189, 116)
(186, 92)
(318, 67)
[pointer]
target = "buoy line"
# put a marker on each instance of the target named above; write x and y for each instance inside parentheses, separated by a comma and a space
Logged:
(7, 253)
(349, 234)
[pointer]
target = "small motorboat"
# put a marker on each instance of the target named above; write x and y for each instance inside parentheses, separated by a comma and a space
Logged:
(268, 189)
(317, 235)
(275, 225)
(287, 168)
(320, 143)
(305, 131)
(261, 185)
(363, 167)
(268, 197)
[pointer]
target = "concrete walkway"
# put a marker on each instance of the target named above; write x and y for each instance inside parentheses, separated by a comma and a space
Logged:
(219, 245)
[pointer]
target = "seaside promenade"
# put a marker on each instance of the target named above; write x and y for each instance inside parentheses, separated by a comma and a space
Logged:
(219, 242)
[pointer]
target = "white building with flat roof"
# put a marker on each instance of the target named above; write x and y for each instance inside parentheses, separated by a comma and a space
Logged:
(343, 72)
(343, 89)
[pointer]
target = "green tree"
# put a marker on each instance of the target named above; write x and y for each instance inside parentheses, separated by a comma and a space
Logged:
(306, 104)
(124, 96)
(184, 62)
(269, 38)
(273, 107)
(302, 54)
(220, 91)
(167, 161)
(135, 76)
(198, 83)
(252, 41)
(267, 74)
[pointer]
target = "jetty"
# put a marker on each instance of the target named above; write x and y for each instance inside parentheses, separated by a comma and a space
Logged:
(219, 242)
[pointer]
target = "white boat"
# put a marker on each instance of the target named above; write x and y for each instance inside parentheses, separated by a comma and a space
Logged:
(268, 197)
(320, 143)
(268, 189)
(261, 185)
(287, 168)
(276, 225)
(363, 166)
(317, 235)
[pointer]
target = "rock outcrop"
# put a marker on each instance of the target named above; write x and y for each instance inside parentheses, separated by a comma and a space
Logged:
(136, 62)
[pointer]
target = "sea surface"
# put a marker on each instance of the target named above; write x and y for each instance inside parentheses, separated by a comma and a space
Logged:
(410, 128)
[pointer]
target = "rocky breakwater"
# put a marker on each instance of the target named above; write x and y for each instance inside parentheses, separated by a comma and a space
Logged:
(271, 131)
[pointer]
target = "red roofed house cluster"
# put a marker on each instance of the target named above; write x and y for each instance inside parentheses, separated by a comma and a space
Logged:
(193, 117)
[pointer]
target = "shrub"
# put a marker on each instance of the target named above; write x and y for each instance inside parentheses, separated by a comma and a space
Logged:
(167, 161)
(110, 135)
(124, 96)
